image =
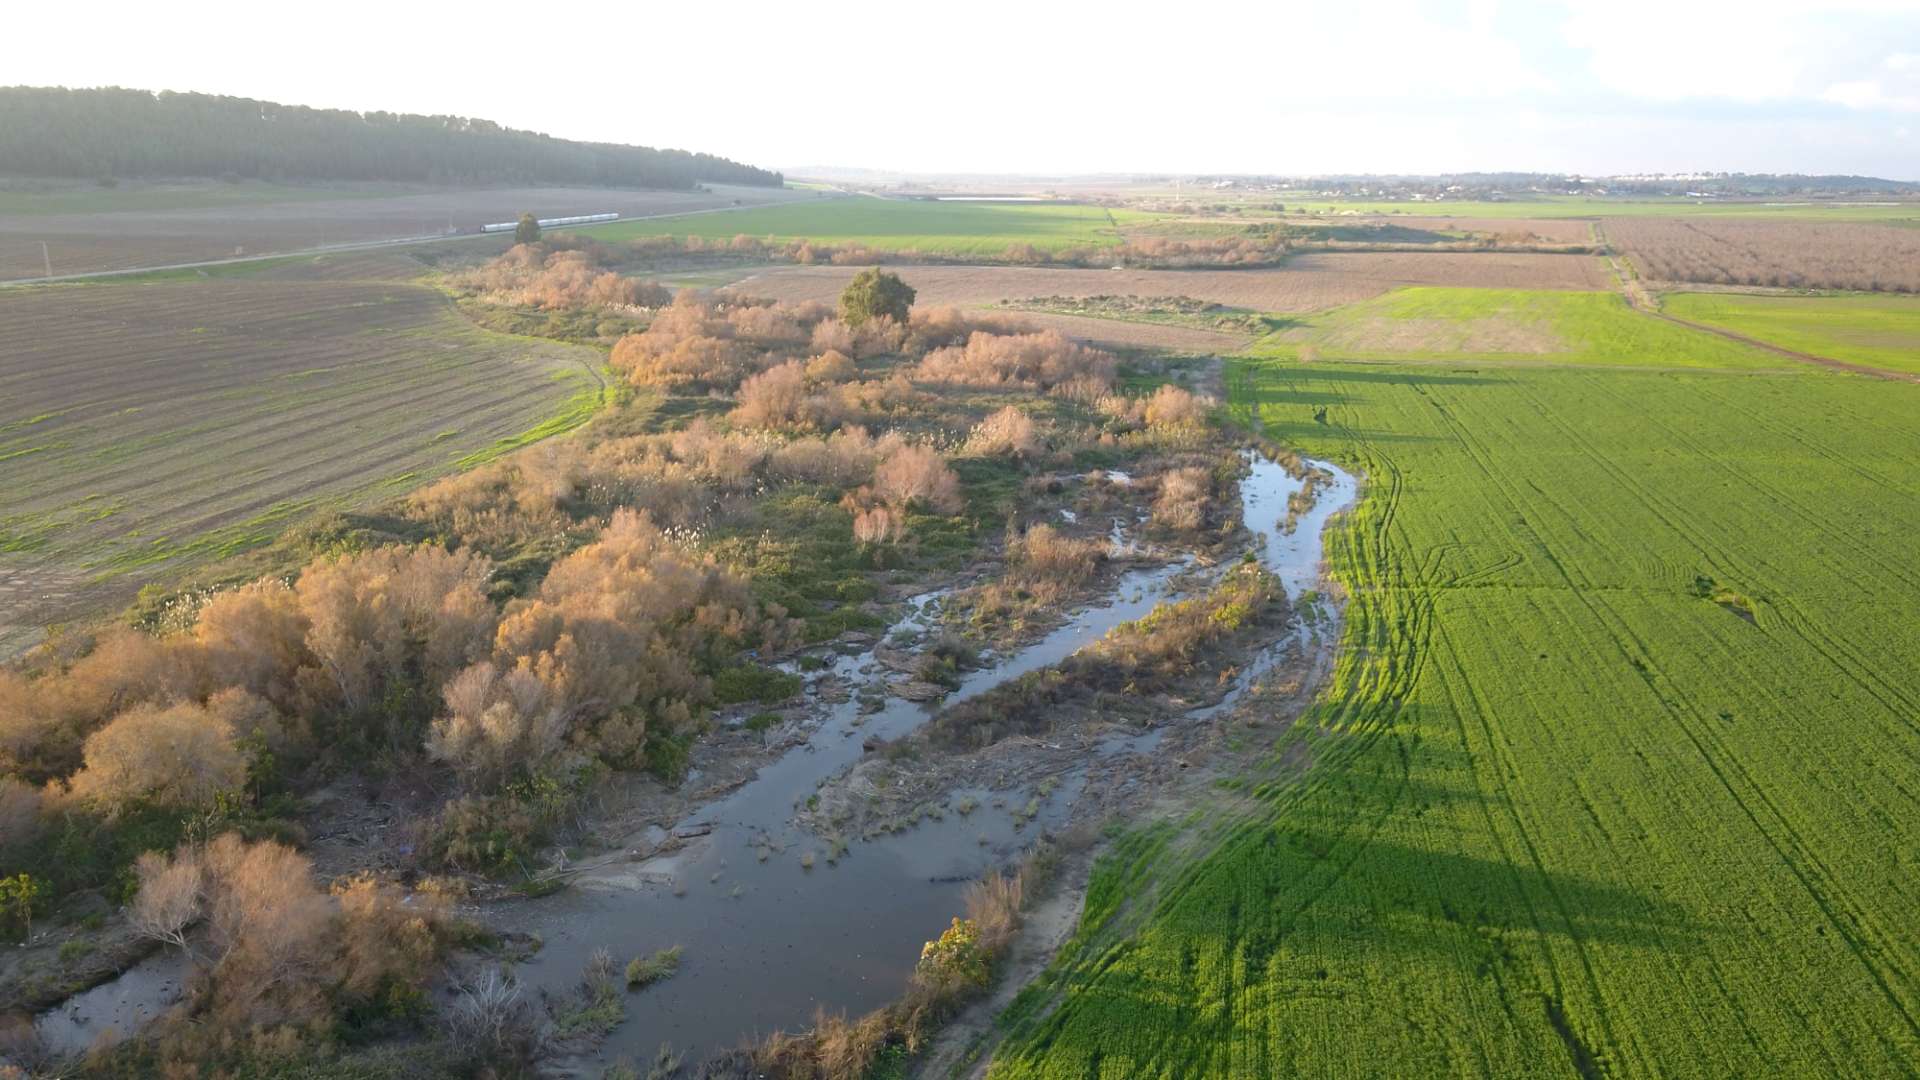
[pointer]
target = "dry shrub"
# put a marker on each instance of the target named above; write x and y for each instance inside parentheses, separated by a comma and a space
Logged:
(612, 635)
(255, 638)
(169, 900)
(1043, 361)
(878, 525)
(1047, 557)
(780, 397)
(44, 721)
(993, 905)
(276, 949)
(913, 474)
(1182, 501)
(697, 344)
(1008, 431)
(843, 459)
(876, 337)
(1171, 406)
(832, 366)
(177, 756)
(386, 937)
(496, 722)
(394, 618)
(532, 275)
(267, 930)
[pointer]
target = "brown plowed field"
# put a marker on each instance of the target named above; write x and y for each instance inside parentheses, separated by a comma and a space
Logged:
(1307, 283)
(129, 239)
(149, 427)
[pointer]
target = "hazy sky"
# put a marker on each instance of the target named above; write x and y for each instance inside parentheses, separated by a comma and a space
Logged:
(1597, 86)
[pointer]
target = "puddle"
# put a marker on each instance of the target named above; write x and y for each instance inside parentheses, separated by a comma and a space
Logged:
(121, 1006)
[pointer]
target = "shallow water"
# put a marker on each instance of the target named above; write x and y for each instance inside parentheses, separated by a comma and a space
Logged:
(121, 1006)
(768, 942)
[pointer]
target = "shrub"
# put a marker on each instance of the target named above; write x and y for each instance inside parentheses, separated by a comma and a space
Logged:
(1171, 406)
(875, 294)
(831, 366)
(1043, 361)
(1046, 555)
(778, 397)
(1182, 500)
(914, 474)
(497, 723)
(395, 622)
(1008, 431)
(491, 1028)
(179, 756)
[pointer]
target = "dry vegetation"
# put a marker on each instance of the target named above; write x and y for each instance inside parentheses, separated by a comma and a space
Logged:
(505, 638)
(1781, 254)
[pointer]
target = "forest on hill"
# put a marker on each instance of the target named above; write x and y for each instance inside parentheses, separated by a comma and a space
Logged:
(113, 132)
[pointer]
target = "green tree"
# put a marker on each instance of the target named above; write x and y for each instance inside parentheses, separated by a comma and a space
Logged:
(873, 293)
(17, 895)
(528, 231)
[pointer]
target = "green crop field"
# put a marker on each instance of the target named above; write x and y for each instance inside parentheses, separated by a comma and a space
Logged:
(1619, 770)
(900, 224)
(1504, 325)
(1880, 331)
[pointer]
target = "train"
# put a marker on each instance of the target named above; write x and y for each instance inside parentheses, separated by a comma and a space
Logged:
(551, 222)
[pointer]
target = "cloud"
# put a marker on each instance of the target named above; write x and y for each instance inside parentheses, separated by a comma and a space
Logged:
(1895, 87)
(1750, 51)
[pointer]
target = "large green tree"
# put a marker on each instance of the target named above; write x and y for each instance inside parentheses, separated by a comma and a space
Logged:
(874, 293)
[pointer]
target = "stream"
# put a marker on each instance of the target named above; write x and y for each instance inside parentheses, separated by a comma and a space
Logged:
(776, 923)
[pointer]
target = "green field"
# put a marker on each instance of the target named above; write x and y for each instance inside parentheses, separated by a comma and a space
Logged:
(1618, 774)
(1505, 325)
(1880, 331)
(900, 224)
(1581, 206)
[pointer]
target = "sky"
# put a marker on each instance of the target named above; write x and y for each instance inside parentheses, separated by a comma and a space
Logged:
(1588, 86)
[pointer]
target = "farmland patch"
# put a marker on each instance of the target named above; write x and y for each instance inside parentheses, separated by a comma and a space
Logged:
(1566, 814)
(1880, 331)
(148, 427)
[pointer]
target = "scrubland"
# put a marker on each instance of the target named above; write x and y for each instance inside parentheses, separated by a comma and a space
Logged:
(489, 649)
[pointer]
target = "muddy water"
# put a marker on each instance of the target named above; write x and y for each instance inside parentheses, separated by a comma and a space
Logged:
(1295, 557)
(116, 1009)
(769, 940)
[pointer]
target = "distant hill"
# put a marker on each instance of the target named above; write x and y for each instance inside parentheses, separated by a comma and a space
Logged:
(111, 132)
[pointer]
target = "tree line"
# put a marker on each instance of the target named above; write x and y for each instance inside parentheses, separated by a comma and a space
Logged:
(113, 132)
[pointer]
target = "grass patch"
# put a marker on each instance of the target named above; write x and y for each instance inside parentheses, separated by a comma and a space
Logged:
(1504, 325)
(901, 224)
(1545, 777)
(644, 971)
(1880, 331)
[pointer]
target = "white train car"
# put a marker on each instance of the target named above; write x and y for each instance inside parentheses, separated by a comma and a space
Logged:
(553, 222)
